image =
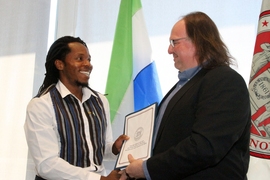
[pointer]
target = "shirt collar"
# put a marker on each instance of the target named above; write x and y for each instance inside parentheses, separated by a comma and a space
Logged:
(188, 74)
(87, 93)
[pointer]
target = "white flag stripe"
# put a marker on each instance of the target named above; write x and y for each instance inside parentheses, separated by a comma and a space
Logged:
(141, 50)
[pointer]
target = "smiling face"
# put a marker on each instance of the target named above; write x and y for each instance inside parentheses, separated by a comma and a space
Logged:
(74, 71)
(184, 50)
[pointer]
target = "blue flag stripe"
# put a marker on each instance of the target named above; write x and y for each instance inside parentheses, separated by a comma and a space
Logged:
(146, 87)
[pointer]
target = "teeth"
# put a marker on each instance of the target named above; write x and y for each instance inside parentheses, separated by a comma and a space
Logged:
(87, 73)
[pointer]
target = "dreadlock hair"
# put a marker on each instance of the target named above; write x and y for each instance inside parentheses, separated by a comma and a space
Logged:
(58, 50)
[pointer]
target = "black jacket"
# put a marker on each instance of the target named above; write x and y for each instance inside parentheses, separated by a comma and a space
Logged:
(205, 130)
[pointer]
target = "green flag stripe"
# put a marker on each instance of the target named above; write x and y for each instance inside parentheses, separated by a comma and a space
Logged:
(120, 70)
(136, 5)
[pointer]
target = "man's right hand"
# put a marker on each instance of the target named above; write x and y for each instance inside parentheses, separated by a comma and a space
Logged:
(112, 176)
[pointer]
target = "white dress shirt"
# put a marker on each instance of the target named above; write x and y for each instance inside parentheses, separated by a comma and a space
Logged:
(44, 143)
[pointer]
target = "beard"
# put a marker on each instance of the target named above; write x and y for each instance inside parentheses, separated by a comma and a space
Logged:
(82, 84)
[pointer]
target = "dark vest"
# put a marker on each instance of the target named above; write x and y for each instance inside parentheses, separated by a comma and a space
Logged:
(71, 128)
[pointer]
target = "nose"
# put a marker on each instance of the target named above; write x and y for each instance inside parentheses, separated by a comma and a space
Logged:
(87, 63)
(170, 49)
(90, 65)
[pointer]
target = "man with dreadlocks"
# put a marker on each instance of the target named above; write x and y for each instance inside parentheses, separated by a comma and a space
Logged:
(67, 125)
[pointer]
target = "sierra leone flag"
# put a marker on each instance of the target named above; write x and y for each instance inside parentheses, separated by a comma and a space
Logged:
(132, 81)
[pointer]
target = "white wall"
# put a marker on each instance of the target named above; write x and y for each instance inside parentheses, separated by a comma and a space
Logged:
(24, 37)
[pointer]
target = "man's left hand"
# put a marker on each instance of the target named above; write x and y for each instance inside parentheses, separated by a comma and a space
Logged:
(118, 143)
(134, 169)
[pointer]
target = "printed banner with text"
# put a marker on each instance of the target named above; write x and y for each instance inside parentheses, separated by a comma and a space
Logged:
(259, 90)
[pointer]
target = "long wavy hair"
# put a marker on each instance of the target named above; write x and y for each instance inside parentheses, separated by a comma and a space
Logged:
(58, 50)
(205, 35)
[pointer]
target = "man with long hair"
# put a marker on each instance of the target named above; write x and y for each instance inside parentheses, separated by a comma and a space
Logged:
(202, 127)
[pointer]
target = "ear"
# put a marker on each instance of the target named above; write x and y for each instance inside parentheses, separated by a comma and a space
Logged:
(59, 64)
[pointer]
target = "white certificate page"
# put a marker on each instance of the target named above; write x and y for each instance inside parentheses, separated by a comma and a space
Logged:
(139, 127)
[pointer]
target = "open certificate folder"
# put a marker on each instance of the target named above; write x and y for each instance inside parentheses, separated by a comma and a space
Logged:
(139, 127)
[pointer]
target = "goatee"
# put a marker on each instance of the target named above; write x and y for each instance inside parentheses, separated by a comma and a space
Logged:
(82, 84)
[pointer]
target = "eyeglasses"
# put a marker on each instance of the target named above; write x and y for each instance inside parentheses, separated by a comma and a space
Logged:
(172, 41)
